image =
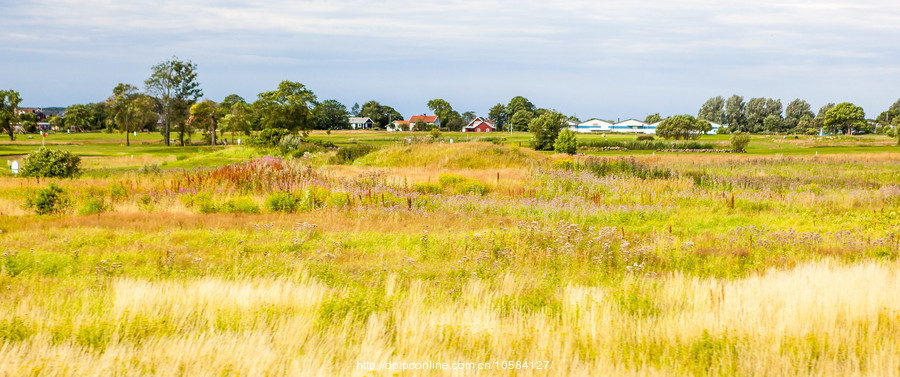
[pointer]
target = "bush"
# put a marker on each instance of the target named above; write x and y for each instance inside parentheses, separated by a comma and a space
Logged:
(435, 133)
(283, 202)
(47, 201)
(722, 131)
(739, 141)
(645, 137)
(566, 142)
(92, 206)
(51, 163)
(350, 153)
(269, 137)
(812, 131)
(239, 205)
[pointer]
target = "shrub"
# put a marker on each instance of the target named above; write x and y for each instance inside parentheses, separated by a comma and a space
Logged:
(739, 141)
(350, 153)
(645, 137)
(51, 163)
(239, 205)
(427, 188)
(448, 179)
(722, 131)
(49, 200)
(283, 202)
(812, 131)
(322, 143)
(269, 137)
(92, 206)
(566, 142)
(435, 133)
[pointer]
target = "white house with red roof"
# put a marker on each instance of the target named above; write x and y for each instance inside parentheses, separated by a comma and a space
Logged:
(432, 120)
(479, 124)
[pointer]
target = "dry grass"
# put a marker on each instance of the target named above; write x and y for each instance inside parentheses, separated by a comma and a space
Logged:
(819, 319)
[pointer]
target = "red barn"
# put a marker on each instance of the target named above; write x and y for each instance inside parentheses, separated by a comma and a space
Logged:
(480, 124)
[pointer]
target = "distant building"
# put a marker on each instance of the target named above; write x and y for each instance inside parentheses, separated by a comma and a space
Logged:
(479, 124)
(361, 123)
(398, 125)
(432, 120)
(633, 126)
(592, 125)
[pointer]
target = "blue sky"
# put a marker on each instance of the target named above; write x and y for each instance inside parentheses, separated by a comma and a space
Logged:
(609, 59)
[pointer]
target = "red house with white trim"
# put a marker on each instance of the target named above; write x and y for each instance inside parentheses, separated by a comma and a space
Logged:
(480, 124)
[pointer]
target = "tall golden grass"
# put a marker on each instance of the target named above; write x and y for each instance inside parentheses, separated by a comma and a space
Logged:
(822, 318)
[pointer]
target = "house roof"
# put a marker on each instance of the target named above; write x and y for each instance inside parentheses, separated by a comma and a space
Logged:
(359, 120)
(424, 118)
(479, 121)
(400, 122)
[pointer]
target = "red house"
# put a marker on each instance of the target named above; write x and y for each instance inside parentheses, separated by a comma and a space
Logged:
(480, 124)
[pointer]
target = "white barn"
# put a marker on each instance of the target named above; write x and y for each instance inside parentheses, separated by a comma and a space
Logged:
(634, 126)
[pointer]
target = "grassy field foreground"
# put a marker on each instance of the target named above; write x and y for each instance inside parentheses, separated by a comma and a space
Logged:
(464, 253)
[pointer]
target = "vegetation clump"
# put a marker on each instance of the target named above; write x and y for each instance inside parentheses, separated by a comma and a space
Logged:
(48, 200)
(739, 141)
(566, 142)
(51, 163)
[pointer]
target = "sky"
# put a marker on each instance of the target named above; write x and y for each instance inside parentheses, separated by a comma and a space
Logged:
(607, 59)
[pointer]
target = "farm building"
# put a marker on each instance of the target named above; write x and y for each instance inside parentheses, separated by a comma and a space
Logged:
(398, 125)
(360, 123)
(479, 124)
(432, 120)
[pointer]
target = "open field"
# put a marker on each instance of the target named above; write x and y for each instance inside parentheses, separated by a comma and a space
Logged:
(204, 261)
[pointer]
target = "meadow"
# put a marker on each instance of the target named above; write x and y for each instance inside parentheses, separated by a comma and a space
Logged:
(228, 261)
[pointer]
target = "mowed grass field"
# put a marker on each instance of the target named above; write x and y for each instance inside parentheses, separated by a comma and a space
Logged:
(226, 261)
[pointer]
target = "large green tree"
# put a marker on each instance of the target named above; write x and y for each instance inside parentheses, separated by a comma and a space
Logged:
(845, 116)
(713, 110)
(128, 109)
(239, 119)
(331, 115)
(499, 116)
(652, 118)
(545, 129)
(381, 115)
(519, 103)
(735, 113)
(288, 107)
(521, 120)
(449, 118)
(795, 111)
(756, 114)
(78, 117)
(682, 127)
(9, 103)
(205, 115)
(174, 83)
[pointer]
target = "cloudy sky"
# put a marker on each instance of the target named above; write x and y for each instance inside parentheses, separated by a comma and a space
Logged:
(609, 59)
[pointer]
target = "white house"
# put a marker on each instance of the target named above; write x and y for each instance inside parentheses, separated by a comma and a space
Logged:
(593, 125)
(634, 126)
(431, 120)
(397, 125)
(360, 123)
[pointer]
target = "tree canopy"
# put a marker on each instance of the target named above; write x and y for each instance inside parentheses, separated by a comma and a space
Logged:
(845, 115)
(713, 110)
(288, 107)
(9, 102)
(331, 115)
(682, 127)
(545, 129)
(174, 83)
(381, 115)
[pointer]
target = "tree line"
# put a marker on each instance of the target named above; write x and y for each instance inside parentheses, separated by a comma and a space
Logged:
(758, 115)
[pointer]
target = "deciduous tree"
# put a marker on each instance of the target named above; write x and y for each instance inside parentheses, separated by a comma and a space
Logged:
(9, 103)
(545, 129)
(288, 107)
(845, 115)
(735, 113)
(331, 115)
(713, 110)
(174, 84)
